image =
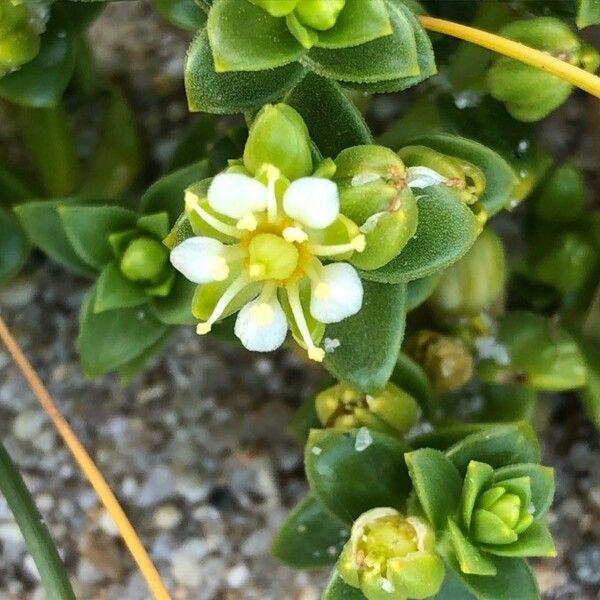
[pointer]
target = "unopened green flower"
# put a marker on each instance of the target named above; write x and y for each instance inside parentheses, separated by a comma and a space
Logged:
(390, 410)
(391, 557)
(19, 42)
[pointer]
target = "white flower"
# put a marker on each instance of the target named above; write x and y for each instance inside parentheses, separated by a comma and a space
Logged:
(272, 239)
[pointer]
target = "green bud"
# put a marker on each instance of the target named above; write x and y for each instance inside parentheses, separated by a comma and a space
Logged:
(279, 137)
(462, 176)
(276, 8)
(390, 411)
(474, 283)
(529, 93)
(446, 361)
(391, 557)
(568, 264)
(319, 14)
(19, 43)
(374, 194)
(561, 198)
(271, 257)
(144, 259)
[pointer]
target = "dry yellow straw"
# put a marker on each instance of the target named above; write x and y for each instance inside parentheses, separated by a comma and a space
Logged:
(87, 465)
(536, 58)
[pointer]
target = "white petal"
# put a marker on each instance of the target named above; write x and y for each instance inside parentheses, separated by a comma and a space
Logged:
(262, 326)
(337, 295)
(313, 201)
(422, 177)
(235, 195)
(200, 259)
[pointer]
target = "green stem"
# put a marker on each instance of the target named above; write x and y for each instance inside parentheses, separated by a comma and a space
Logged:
(37, 538)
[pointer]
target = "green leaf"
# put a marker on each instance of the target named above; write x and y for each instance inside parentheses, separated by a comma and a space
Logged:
(176, 308)
(453, 589)
(156, 224)
(343, 126)
(55, 580)
(230, 93)
(14, 187)
(378, 327)
(500, 178)
(88, 228)
(498, 446)
(542, 355)
(114, 290)
(479, 475)
(410, 377)
(507, 403)
(186, 14)
(348, 481)
(129, 370)
(41, 82)
(14, 247)
(590, 395)
(45, 230)
(117, 158)
(542, 484)
(310, 537)
(195, 143)
(419, 291)
(387, 58)
(338, 590)
(469, 558)
(358, 23)
(112, 339)
(588, 13)
(431, 472)
(536, 540)
(447, 229)
(442, 438)
(50, 143)
(167, 194)
(304, 419)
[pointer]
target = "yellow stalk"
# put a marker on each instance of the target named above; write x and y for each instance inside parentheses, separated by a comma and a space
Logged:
(530, 56)
(106, 495)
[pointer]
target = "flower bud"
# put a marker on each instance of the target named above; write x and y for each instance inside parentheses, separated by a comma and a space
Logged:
(462, 176)
(19, 43)
(279, 137)
(446, 361)
(529, 93)
(319, 14)
(561, 197)
(390, 411)
(474, 283)
(276, 8)
(374, 194)
(391, 557)
(144, 259)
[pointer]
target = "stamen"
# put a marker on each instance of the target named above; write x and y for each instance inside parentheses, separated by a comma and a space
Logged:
(357, 244)
(314, 353)
(228, 295)
(262, 310)
(294, 234)
(248, 222)
(273, 175)
(217, 224)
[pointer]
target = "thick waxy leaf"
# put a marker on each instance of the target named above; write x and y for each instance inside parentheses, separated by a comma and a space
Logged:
(541, 354)
(15, 188)
(310, 537)
(194, 145)
(536, 540)
(588, 13)
(229, 93)
(42, 82)
(14, 247)
(338, 590)
(507, 403)
(142, 362)
(387, 58)
(470, 559)
(118, 157)
(113, 338)
(479, 475)
(444, 437)
(45, 230)
(590, 395)
(304, 419)
(431, 472)
(498, 446)
(411, 378)
(176, 308)
(186, 14)
(542, 484)
(500, 178)
(447, 229)
(349, 478)
(419, 290)
(453, 589)
(114, 290)
(370, 340)
(167, 194)
(344, 126)
(88, 229)
(264, 42)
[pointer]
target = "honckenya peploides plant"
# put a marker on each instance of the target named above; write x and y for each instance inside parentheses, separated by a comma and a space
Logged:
(369, 235)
